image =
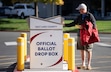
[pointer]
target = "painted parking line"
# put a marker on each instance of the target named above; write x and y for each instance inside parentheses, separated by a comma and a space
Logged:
(105, 38)
(7, 56)
(103, 61)
(3, 56)
(7, 60)
(1, 59)
(7, 63)
(101, 67)
(103, 44)
(96, 62)
(99, 62)
(97, 57)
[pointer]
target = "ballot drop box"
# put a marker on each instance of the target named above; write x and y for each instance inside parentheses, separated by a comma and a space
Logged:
(46, 43)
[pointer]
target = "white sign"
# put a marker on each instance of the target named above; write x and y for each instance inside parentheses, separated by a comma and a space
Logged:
(44, 24)
(46, 44)
(57, 19)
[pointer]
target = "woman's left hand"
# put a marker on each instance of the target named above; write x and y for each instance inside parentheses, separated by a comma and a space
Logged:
(78, 26)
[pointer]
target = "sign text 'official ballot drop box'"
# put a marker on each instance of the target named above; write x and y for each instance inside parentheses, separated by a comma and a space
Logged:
(46, 43)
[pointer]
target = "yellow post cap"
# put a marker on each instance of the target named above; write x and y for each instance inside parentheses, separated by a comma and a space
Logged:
(23, 34)
(71, 40)
(66, 35)
(20, 39)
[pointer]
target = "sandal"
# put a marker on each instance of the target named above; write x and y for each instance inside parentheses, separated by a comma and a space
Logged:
(81, 67)
(89, 68)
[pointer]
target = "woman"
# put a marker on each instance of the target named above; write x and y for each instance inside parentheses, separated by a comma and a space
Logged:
(81, 19)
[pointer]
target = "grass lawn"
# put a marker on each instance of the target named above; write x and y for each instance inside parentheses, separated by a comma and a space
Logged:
(103, 26)
(13, 24)
(21, 25)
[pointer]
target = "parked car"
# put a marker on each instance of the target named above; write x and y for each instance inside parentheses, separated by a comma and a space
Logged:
(5, 11)
(2, 11)
(22, 10)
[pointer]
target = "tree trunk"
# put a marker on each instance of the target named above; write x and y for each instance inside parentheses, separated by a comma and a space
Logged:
(60, 10)
(36, 9)
(53, 9)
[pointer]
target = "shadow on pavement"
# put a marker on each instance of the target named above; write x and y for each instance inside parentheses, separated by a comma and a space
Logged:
(3, 69)
(11, 68)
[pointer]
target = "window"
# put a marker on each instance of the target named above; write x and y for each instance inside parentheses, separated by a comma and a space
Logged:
(29, 6)
(19, 7)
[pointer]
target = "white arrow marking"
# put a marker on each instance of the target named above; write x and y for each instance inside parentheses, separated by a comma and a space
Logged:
(13, 43)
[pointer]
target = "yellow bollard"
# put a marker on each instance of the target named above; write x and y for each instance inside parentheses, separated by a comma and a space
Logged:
(20, 53)
(71, 54)
(66, 36)
(24, 35)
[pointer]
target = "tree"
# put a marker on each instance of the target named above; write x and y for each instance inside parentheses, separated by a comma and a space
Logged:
(57, 2)
(6, 2)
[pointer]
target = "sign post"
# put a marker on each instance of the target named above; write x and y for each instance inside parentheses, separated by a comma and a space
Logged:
(46, 43)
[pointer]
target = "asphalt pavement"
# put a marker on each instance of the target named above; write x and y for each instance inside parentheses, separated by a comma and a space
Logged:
(101, 61)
